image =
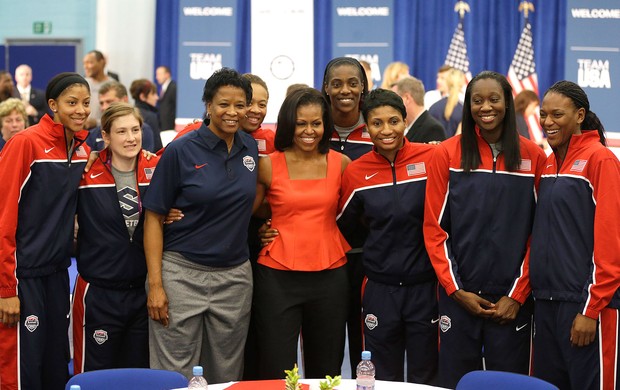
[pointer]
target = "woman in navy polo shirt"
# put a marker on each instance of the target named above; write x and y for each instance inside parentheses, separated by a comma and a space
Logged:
(199, 276)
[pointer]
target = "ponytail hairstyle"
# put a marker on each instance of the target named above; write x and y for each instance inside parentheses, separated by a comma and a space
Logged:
(470, 154)
(580, 100)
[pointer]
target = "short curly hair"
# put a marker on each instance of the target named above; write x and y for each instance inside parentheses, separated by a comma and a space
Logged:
(10, 105)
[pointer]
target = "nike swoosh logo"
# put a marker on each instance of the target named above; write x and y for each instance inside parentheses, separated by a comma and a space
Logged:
(49, 150)
(200, 166)
(435, 321)
(549, 166)
(93, 176)
(518, 328)
(368, 177)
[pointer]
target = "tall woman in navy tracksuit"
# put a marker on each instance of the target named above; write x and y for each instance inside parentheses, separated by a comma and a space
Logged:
(575, 269)
(345, 86)
(40, 169)
(480, 200)
(386, 188)
(110, 319)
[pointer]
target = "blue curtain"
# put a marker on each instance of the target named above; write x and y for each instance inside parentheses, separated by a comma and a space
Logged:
(422, 33)
(166, 35)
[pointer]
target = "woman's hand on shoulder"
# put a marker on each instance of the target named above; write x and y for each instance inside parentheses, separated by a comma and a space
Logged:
(94, 155)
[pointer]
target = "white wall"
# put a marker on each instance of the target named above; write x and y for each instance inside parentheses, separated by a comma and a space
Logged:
(125, 34)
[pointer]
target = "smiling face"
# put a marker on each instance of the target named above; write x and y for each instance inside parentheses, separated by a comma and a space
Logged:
(226, 111)
(257, 109)
(309, 127)
(560, 119)
(92, 66)
(124, 138)
(488, 108)
(344, 88)
(72, 108)
(386, 127)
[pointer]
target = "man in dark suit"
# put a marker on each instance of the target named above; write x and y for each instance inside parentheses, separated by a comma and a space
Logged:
(34, 99)
(421, 126)
(167, 104)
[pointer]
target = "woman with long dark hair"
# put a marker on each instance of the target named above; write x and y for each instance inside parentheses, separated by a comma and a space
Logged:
(480, 200)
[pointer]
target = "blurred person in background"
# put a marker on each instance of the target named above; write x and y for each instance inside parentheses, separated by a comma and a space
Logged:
(13, 119)
(33, 98)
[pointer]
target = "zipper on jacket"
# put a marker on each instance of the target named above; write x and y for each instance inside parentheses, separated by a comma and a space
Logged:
(494, 157)
(68, 148)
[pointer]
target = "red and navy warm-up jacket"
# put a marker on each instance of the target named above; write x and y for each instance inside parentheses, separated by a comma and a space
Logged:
(390, 198)
(106, 254)
(575, 252)
(39, 195)
(355, 145)
(477, 225)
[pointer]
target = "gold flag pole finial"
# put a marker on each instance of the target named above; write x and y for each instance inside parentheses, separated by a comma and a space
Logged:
(461, 7)
(526, 7)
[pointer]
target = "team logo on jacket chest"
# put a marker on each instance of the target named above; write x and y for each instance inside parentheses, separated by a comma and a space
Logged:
(445, 323)
(249, 163)
(100, 336)
(31, 323)
(128, 200)
(371, 321)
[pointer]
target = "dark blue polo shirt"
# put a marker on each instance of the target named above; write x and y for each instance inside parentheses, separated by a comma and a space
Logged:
(214, 189)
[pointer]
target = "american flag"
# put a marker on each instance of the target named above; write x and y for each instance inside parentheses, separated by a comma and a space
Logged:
(522, 76)
(457, 52)
(522, 71)
(578, 165)
(416, 169)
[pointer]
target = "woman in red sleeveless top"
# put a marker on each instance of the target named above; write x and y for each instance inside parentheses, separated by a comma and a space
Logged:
(300, 282)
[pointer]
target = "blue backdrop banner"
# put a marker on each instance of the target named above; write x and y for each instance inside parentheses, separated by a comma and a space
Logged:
(207, 42)
(364, 29)
(593, 58)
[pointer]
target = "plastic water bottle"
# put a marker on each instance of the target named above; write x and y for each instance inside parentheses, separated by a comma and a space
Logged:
(197, 381)
(365, 373)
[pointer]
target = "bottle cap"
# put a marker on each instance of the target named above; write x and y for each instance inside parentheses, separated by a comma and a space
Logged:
(366, 355)
(197, 371)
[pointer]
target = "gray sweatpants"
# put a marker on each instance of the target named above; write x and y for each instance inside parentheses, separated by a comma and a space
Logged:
(209, 314)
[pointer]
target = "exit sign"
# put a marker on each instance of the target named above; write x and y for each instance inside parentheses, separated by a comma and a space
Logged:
(42, 27)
